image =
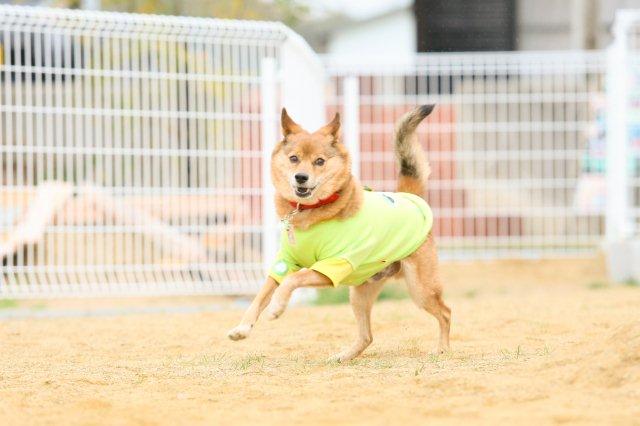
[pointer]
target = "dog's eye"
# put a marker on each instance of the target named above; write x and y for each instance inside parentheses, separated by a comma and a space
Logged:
(294, 159)
(319, 162)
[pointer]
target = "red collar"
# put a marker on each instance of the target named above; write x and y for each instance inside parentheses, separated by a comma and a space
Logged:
(330, 199)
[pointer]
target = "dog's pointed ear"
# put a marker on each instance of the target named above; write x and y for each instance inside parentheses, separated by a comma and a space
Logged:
(288, 125)
(333, 128)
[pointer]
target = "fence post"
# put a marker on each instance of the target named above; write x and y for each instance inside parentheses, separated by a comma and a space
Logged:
(269, 136)
(303, 82)
(351, 126)
(619, 247)
(617, 170)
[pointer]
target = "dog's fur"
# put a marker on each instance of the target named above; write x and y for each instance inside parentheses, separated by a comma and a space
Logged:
(297, 153)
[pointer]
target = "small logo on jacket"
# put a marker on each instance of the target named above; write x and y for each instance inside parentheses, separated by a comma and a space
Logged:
(280, 268)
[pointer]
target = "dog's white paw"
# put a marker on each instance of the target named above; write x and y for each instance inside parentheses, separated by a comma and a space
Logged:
(239, 332)
(342, 356)
(275, 309)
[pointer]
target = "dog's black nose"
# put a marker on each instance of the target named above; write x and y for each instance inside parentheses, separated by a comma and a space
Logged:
(301, 177)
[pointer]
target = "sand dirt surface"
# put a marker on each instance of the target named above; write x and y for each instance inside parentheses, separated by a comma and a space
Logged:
(532, 343)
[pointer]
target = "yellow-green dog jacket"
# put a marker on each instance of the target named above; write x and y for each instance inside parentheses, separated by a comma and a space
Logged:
(388, 227)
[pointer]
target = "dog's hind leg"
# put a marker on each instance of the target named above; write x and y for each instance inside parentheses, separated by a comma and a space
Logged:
(423, 282)
(262, 299)
(362, 298)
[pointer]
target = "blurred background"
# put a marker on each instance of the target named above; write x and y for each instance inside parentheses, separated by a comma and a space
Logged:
(134, 147)
(362, 26)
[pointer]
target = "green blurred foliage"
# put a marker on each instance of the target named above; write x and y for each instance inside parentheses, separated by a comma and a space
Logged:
(290, 12)
(8, 303)
(340, 295)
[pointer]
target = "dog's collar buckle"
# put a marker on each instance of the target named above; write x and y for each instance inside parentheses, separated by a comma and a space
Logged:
(288, 226)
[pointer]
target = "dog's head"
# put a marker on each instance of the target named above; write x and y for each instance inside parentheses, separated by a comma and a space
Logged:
(307, 167)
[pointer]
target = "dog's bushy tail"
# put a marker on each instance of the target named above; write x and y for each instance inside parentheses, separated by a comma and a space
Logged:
(414, 167)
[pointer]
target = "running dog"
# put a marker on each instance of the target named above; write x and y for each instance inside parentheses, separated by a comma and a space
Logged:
(337, 233)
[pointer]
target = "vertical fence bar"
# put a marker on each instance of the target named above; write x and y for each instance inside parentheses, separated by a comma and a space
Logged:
(621, 251)
(269, 135)
(351, 96)
(617, 206)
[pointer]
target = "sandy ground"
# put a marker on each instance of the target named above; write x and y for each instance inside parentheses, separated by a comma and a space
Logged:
(533, 343)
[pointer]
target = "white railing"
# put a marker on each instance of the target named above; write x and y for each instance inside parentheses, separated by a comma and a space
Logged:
(515, 144)
(132, 150)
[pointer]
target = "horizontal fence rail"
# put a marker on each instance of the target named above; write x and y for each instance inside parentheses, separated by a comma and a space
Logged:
(516, 144)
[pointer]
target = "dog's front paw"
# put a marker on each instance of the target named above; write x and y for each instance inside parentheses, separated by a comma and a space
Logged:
(239, 332)
(342, 356)
(275, 309)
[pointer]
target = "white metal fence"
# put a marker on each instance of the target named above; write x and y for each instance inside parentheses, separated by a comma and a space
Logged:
(132, 150)
(516, 144)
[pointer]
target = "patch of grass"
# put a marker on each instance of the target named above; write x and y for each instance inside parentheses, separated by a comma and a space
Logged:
(39, 307)
(332, 296)
(214, 359)
(250, 360)
(437, 360)
(515, 354)
(597, 285)
(546, 350)
(8, 303)
(393, 292)
(340, 295)
(441, 361)
(433, 358)
(471, 294)
(373, 363)
(631, 282)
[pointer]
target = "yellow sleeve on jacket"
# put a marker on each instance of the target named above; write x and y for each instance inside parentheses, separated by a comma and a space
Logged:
(335, 269)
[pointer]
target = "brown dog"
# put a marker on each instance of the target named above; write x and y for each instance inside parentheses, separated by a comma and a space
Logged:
(312, 176)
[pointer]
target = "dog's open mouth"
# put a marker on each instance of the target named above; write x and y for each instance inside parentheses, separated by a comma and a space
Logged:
(303, 192)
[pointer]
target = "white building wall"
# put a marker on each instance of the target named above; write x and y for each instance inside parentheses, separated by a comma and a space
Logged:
(541, 25)
(393, 34)
(546, 24)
